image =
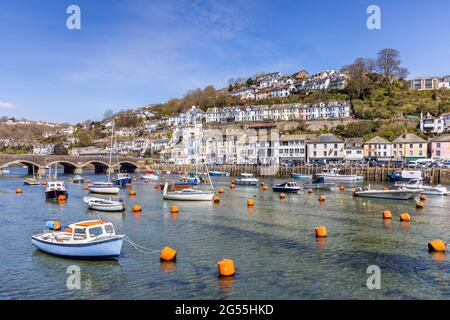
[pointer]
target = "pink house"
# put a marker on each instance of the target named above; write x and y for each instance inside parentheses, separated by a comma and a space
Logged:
(440, 147)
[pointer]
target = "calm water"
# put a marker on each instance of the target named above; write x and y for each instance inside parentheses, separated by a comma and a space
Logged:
(273, 245)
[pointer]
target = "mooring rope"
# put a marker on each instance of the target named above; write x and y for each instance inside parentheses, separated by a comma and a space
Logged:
(140, 248)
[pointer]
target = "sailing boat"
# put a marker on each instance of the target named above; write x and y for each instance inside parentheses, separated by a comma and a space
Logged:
(189, 194)
(106, 187)
(121, 179)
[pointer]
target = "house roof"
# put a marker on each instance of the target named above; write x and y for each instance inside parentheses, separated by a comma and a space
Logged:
(293, 137)
(354, 142)
(443, 138)
(409, 138)
(377, 140)
(326, 138)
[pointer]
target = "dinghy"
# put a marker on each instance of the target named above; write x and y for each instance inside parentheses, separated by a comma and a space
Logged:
(107, 205)
(150, 176)
(187, 194)
(103, 188)
(319, 183)
(78, 179)
(92, 239)
(31, 181)
(331, 175)
(286, 187)
(247, 179)
(300, 176)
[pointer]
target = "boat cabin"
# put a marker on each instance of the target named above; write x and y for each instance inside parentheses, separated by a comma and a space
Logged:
(90, 230)
(56, 185)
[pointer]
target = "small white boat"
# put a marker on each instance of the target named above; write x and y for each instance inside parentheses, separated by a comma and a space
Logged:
(104, 188)
(247, 179)
(218, 174)
(55, 189)
(300, 176)
(78, 179)
(150, 176)
(107, 205)
(31, 181)
(288, 187)
(394, 194)
(417, 185)
(187, 194)
(92, 239)
(330, 175)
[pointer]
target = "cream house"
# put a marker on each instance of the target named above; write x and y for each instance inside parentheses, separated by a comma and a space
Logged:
(378, 148)
(409, 147)
(325, 147)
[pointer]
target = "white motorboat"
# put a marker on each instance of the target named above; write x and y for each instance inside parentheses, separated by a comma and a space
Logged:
(77, 179)
(247, 179)
(331, 175)
(31, 181)
(100, 204)
(288, 187)
(55, 189)
(417, 185)
(187, 194)
(92, 239)
(394, 194)
(150, 176)
(104, 188)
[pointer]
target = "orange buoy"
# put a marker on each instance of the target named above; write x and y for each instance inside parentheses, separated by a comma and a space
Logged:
(44, 183)
(232, 186)
(221, 191)
(423, 197)
(132, 193)
(61, 197)
(321, 231)
(225, 268)
(341, 188)
(309, 191)
(322, 198)
(265, 188)
(128, 185)
(250, 203)
(387, 214)
(56, 225)
(88, 181)
(174, 209)
(68, 230)
(137, 208)
(216, 199)
(405, 217)
(282, 196)
(419, 204)
(168, 254)
(19, 190)
(437, 246)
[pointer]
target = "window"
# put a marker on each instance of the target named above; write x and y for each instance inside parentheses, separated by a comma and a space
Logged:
(109, 229)
(411, 145)
(335, 145)
(315, 153)
(385, 153)
(438, 153)
(315, 146)
(335, 153)
(94, 232)
(420, 146)
(438, 145)
(358, 151)
(324, 153)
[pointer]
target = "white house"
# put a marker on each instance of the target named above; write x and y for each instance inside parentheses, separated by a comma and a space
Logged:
(353, 149)
(325, 147)
(43, 149)
(292, 147)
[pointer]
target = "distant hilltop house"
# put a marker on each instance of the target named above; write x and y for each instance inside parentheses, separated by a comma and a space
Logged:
(89, 151)
(431, 124)
(430, 83)
(43, 149)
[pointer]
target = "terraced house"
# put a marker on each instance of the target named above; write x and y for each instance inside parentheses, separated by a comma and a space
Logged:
(378, 148)
(440, 147)
(292, 148)
(325, 147)
(325, 110)
(409, 147)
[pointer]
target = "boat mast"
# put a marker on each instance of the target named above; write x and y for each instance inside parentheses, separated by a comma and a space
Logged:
(110, 152)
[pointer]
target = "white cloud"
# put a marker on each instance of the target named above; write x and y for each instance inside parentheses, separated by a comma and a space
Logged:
(6, 105)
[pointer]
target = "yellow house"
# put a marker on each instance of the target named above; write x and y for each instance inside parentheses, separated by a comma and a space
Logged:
(409, 147)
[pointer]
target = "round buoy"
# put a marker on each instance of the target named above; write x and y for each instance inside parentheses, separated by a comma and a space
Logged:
(321, 231)
(265, 188)
(250, 203)
(174, 209)
(225, 268)
(437, 246)
(282, 196)
(419, 204)
(128, 185)
(44, 183)
(216, 199)
(88, 181)
(221, 191)
(309, 191)
(387, 214)
(423, 197)
(137, 208)
(232, 186)
(19, 190)
(168, 254)
(61, 197)
(405, 217)
(322, 198)
(341, 188)
(56, 225)
(132, 193)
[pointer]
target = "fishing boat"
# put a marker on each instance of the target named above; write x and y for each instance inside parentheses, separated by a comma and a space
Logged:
(287, 187)
(393, 194)
(405, 175)
(246, 179)
(103, 188)
(300, 176)
(150, 176)
(319, 183)
(218, 174)
(187, 194)
(55, 189)
(100, 204)
(417, 185)
(122, 179)
(331, 175)
(31, 182)
(92, 239)
(77, 179)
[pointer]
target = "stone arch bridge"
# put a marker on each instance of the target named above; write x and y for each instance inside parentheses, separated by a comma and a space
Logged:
(72, 164)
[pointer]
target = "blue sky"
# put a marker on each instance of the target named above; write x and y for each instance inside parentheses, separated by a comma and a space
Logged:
(132, 53)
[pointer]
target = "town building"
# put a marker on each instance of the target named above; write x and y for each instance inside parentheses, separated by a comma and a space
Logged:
(353, 149)
(431, 124)
(326, 147)
(325, 110)
(430, 83)
(292, 148)
(43, 149)
(409, 147)
(440, 147)
(378, 148)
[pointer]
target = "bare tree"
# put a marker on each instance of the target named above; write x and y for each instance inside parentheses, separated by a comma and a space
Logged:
(370, 64)
(402, 73)
(108, 114)
(358, 84)
(388, 64)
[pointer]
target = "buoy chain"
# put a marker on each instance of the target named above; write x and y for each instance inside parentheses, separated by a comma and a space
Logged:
(140, 248)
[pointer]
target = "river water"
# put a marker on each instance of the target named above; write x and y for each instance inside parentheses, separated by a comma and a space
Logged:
(273, 246)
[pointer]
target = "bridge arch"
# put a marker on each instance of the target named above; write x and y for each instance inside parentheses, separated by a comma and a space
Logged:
(69, 167)
(33, 167)
(99, 166)
(126, 166)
